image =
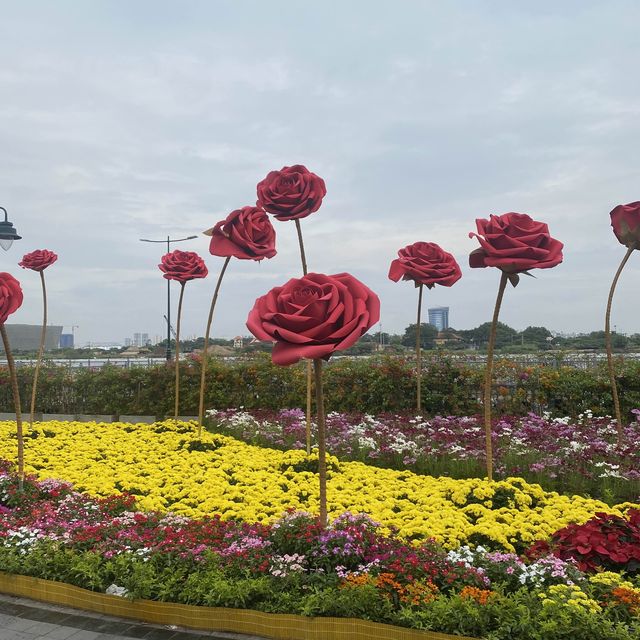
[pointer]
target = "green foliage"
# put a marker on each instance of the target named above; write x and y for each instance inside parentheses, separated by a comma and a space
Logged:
(375, 385)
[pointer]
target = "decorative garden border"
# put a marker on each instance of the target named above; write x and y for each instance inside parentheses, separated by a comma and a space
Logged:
(269, 625)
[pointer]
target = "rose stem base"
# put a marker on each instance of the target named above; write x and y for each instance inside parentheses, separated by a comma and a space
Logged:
(303, 259)
(322, 448)
(16, 401)
(177, 407)
(205, 349)
(489, 375)
(43, 335)
(607, 337)
(419, 353)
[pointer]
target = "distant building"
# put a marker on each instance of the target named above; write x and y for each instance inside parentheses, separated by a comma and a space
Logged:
(66, 341)
(439, 317)
(26, 337)
(140, 339)
(238, 342)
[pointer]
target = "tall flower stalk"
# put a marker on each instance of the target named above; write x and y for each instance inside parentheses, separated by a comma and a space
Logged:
(246, 234)
(310, 373)
(181, 266)
(205, 349)
(294, 193)
(10, 300)
(625, 220)
(38, 261)
(514, 243)
(424, 264)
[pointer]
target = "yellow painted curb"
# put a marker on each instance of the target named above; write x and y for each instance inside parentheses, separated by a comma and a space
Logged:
(269, 625)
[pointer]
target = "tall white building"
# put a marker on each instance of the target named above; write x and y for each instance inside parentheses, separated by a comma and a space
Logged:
(439, 317)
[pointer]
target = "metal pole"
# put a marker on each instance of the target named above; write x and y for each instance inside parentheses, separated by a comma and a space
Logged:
(168, 316)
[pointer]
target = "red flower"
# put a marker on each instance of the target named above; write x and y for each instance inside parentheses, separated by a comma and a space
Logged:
(313, 316)
(606, 541)
(291, 193)
(625, 220)
(10, 296)
(425, 263)
(183, 266)
(514, 243)
(245, 233)
(38, 260)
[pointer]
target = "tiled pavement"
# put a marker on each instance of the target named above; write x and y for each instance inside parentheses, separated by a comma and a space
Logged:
(22, 619)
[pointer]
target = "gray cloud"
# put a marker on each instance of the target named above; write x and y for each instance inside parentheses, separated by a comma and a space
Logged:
(120, 121)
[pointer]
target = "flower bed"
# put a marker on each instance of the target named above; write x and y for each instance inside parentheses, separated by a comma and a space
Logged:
(572, 456)
(166, 468)
(354, 568)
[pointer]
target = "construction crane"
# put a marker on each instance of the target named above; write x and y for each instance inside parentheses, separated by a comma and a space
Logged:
(173, 331)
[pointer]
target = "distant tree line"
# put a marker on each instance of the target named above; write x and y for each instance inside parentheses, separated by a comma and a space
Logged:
(530, 340)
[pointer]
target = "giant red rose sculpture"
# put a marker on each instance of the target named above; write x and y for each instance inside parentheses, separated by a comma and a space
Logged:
(38, 260)
(314, 316)
(246, 234)
(425, 264)
(625, 220)
(515, 243)
(183, 266)
(10, 296)
(291, 193)
(10, 300)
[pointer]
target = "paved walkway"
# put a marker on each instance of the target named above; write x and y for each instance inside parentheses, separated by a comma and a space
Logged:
(22, 619)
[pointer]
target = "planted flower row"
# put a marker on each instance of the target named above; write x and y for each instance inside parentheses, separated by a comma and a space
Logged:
(167, 468)
(354, 567)
(571, 456)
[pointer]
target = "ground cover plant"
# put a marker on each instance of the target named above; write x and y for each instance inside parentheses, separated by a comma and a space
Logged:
(568, 455)
(353, 567)
(167, 468)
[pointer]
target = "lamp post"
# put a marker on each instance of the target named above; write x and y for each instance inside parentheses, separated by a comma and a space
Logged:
(7, 232)
(169, 241)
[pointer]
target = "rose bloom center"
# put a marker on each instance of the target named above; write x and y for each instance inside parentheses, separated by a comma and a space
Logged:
(304, 295)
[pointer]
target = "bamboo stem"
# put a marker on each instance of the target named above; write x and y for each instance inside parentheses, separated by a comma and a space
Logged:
(177, 407)
(303, 259)
(309, 385)
(43, 335)
(489, 375)
(301, 244)
(322, 449)
(16, 402)
(205, 349)
(419, 352)
(607, 337)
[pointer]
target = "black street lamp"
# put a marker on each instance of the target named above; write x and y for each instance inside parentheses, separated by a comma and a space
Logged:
(168, 241)
(7, 232)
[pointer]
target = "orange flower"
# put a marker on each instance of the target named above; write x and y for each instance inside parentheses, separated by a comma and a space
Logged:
(481, 596)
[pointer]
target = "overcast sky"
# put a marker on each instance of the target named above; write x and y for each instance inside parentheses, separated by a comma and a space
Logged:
(122, 120)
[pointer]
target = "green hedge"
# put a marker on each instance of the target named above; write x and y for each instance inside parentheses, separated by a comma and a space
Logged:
(373, 385)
